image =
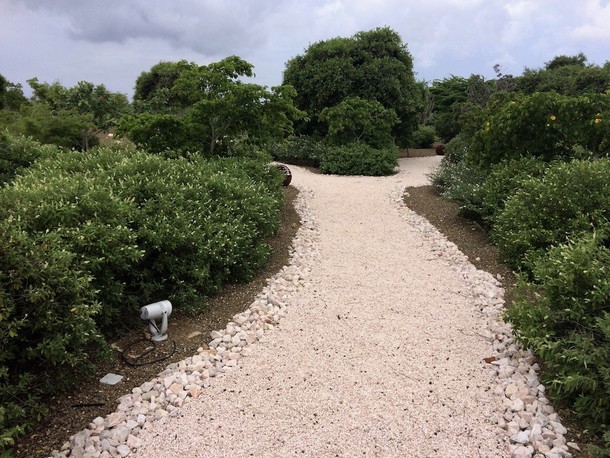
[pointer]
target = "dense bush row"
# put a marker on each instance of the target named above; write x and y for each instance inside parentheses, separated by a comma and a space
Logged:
(545, 125)
(423, 137)
(537, 175)
(359, 159)
(301, 150)
(568, 325)
(349, 159)
(88, 238)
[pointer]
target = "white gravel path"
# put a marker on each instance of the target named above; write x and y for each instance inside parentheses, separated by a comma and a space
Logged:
(378, 356)
(370, 343)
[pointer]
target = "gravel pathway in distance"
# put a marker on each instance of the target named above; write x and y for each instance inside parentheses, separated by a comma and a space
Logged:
(380, 352)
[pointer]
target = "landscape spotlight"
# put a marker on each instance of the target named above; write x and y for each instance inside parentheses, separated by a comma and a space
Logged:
(152, 312)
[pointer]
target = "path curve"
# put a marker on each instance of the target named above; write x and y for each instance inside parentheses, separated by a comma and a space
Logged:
(380, 351)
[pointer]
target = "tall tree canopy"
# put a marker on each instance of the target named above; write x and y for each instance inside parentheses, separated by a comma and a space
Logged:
(373, 65)
(11, 95)
(153, 91)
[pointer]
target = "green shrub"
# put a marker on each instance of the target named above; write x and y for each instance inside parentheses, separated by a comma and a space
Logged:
(48, 335)
(75, 197)
(61, 127)
(360, 120)
(457, 149)
(571, 198)
(461, 182)
(157, 133)
(568, 325)
(88, 238)
(359, 159)
(504, 180)
(545, 125)
(459, 179)
(446, 124)
(145, 226)
(301, 150)
(423, 137)
(17, 153)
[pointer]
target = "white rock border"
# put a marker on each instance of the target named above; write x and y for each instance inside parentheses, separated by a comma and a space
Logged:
(532, 426)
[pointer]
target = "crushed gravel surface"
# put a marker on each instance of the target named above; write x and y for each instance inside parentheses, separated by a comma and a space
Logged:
(378, 339)
(378, 355)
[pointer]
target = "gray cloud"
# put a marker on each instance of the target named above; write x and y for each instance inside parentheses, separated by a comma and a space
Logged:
(206, 26)
(113, 41)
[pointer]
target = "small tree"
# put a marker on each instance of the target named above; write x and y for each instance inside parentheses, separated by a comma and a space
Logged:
(45, 126)
(218, 109)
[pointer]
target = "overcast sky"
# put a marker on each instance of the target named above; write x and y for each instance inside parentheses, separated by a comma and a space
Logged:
(111, 42)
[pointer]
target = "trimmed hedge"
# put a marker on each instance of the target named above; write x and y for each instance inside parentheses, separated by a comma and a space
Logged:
(359, 159)
(88, 238)
(299, 151)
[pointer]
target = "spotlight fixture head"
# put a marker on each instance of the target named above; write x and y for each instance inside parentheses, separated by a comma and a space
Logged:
(157, 311)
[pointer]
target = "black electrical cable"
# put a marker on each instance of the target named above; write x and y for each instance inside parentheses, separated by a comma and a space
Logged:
(137, 361)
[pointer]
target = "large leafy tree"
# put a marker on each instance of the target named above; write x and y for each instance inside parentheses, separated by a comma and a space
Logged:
(11, 95)
(455, 97)
(372, 65)
(11, 100)
(217, 109)
(449, 96)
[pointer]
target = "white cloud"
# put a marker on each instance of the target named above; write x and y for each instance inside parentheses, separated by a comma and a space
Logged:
(596, 22)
